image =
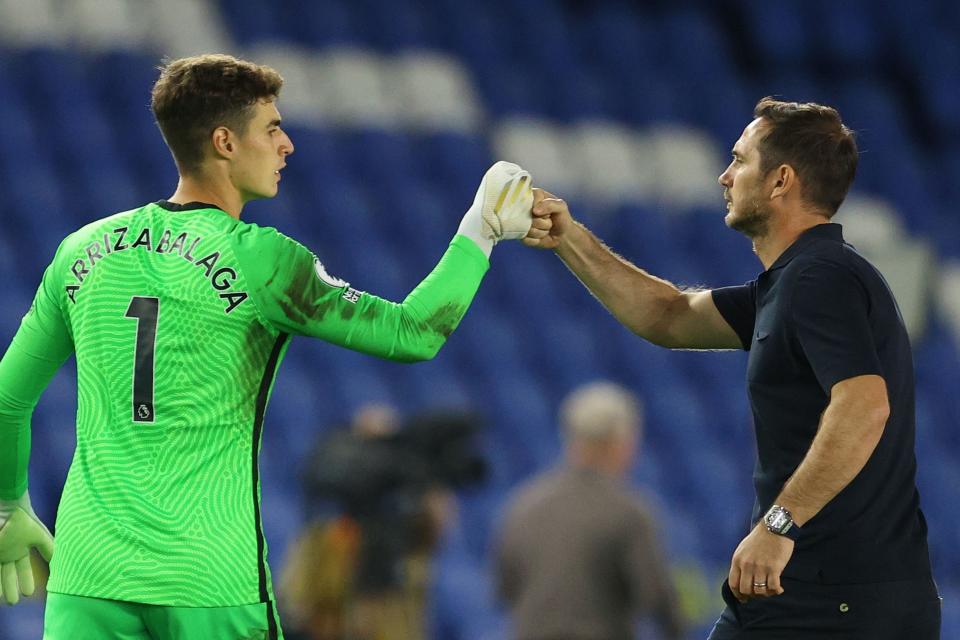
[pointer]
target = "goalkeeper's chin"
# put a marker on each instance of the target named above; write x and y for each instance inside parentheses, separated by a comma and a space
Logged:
(263, 194)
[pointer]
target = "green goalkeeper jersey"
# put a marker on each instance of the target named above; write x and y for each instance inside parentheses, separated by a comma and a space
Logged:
(179, 316)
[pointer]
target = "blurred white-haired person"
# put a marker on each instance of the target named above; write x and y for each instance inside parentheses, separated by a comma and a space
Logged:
(577, 556)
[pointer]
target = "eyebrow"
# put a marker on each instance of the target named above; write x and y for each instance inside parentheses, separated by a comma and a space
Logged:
(274, 123)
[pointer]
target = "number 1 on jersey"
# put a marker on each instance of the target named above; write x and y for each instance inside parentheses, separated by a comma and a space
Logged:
(145, 310)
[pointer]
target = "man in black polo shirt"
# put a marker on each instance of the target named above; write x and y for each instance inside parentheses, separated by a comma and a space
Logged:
(839, 548)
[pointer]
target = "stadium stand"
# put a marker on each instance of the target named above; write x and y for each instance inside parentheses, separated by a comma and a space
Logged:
(624, 108)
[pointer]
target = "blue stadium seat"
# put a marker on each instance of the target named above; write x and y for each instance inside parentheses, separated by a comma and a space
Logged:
(521, 413)
(699, 54)
(494, 341)
(394, 26)
(710, 478)
(357, 382)
(576, 361)
(430, 217)
(677, 418)
(318, 155)
(42, 198)
(724, 257)
(847, 35)
(645, 231)
(780, 32)
(507, 463)
(680, 536)
(941, 94)
(874, 111)
(947, 161)
(620, 42)
(730, 407)
(22, 621)
(937, 480)
(17, 299)
(474, 33)
(646, 366)
(253, 21)
(616, 36)
(477, 508)
(912, 28)
(343, 201)
(123, 80)
(579, 94)
(419, 218)
(18, 130)
(282, 509)
(463, 601)
(53, 424)
(434, 384)
(890, 163)
(320, 24)
(381, 156)
(455, 161)
(508, 91)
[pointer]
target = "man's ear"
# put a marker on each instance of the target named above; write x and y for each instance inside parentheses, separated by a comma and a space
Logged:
(784, 180)
(223, 142)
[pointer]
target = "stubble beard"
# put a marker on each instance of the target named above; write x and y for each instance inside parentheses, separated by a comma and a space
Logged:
(753, 221)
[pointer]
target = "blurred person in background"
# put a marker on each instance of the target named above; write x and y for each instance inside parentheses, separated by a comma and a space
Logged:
(839, 546)
(179, 314)
(364, 572)
(578, 556)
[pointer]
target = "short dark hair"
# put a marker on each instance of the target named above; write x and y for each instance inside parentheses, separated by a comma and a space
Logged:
(813, 140)
(195, 95)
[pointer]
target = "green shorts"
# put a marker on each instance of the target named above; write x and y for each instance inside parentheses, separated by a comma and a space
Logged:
(79, 618)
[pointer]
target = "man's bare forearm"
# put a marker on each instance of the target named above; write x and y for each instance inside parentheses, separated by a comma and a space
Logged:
(643, 303)
(849, 431)
(649, 306)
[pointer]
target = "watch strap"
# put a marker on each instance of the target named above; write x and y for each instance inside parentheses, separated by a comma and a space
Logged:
(779, 522)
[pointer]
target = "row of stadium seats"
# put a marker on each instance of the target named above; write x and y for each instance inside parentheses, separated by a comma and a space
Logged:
(88, 97)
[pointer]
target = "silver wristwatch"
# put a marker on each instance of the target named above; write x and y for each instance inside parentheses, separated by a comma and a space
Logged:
(779, 521)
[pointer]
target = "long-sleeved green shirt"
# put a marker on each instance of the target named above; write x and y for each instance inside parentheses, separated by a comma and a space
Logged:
(179, 316)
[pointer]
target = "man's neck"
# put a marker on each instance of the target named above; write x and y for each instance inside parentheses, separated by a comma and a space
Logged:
(207, 189)
(783, 232)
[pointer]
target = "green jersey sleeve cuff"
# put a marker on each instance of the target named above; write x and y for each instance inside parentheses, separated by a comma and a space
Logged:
(463, 242)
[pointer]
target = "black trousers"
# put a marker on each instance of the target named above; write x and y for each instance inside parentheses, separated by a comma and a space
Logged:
(904, 610)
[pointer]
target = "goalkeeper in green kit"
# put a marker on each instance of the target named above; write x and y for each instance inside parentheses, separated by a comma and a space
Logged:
(179, 314)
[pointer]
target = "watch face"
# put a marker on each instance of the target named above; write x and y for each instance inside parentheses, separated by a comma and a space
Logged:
(779, 520)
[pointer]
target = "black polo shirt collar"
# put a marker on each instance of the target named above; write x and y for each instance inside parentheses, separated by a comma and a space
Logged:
(825, 231)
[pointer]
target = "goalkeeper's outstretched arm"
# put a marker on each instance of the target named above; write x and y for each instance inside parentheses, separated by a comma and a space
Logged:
(295, 294)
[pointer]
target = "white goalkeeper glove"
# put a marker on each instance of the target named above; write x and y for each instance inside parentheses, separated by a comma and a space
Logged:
(20, 531)
(501, 208)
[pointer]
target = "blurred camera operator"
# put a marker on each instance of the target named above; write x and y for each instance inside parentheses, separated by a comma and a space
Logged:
(362, 571)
